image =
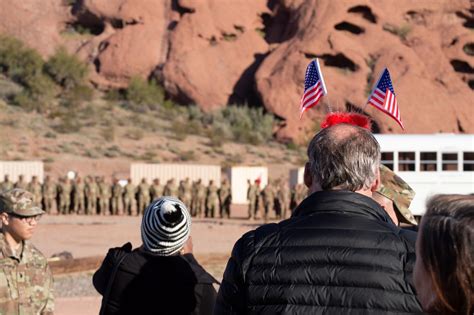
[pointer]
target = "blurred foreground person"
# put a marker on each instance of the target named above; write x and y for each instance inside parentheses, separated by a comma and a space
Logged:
(161, 276)
(26, 282)
(339, 253)
(444, 269)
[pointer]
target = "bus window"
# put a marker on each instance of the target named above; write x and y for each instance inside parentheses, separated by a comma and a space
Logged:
(428, 162)
(468, 161)
(406, 161)
(450, 161)
(387, 159)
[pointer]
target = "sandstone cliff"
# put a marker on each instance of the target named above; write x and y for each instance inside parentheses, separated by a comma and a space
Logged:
(216, 52)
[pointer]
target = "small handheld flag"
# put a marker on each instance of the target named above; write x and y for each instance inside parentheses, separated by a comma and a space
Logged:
(314, 87)
(383, 97)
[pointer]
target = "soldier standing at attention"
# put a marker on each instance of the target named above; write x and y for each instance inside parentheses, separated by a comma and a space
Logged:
(212, 200)
(91, 190)
(283, 197)
(171, 189)
(117, 192)
(143, 196)
(64, 191)
(252, 198)
(21, 183)
(225, 199)
(26, 282)
(104, 197)
(187, 193)
(78, 193)
(200, 199)
(268, 198)
(6, 184)
(49, 195)
(129, 204)
(156, 190)
(34, 187)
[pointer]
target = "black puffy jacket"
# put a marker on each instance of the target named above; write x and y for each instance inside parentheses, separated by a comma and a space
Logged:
(149, 284)
(338, 254)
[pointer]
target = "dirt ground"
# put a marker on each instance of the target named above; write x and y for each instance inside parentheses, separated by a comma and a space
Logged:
(85, 236)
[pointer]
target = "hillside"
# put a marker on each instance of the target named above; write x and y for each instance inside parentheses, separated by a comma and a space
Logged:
(203, 53)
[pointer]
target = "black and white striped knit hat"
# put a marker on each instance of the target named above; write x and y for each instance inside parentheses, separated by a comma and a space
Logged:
(166, 226)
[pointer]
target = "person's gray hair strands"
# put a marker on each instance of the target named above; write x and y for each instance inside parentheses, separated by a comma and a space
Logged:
(166, 226)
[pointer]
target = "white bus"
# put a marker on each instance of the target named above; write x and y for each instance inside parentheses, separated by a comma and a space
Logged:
(431, 164)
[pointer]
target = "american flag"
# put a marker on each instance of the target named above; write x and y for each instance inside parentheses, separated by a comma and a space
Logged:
(314, 87)
(383, 97)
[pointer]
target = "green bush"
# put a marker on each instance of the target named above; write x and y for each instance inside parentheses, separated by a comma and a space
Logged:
(143, 95)
(66, 70)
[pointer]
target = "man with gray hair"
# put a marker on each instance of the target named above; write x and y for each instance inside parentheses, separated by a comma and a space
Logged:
(339, 253)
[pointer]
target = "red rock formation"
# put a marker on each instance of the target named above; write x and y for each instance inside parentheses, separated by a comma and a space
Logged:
(217, 52)
(37, 23)
(355, 40)
(212, 47)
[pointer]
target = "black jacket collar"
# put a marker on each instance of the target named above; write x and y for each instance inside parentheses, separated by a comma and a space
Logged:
(341, 201)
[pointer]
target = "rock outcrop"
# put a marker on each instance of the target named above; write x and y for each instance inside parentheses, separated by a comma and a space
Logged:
(218, 52)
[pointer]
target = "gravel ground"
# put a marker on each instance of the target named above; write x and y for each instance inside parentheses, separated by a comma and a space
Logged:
(74, 285)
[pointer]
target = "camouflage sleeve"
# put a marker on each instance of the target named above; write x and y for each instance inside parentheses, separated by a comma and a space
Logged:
(49, 286)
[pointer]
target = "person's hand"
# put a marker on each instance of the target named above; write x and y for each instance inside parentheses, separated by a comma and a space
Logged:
(188, 247)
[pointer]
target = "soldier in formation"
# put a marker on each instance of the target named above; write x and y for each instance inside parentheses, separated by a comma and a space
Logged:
(117, 193)
(78, 189)
(6, 184)
(143, 196)
(129, 203)
(225, 199)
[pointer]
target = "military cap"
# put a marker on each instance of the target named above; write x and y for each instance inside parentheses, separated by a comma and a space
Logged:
(20, 202)
(397, 190)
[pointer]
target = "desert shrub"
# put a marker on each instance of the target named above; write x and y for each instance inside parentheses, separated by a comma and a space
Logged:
(135, 134)
(143, 95)
(113, 95)
(108, 133)
(188, 155)
(25, 66)
(400, 31)
(249, 125)
(67, 121)
(66, 70)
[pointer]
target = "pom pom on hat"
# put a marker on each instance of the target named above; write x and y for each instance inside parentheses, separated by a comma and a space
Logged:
(347, 118)
(166, 226)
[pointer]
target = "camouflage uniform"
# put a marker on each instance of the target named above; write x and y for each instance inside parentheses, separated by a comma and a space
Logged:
(212, 200)
(200, 202)
(91, 190)
(79, 197)
(34, 187)
(143, 196)
(283, 197)
(21, 184)
(156, 189)
(171, 189)
(104, 197)
(252, 197)
(49, 191)
(129, 204)
(26, 282)
(186, 198)
(117, 202)
(299, 194)
(6, 184)
(399, 192)
(64, 191)
(225, 199)
(268, 198)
